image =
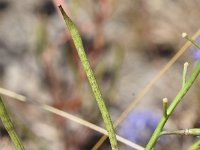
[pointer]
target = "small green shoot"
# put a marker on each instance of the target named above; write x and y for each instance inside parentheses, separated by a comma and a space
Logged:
(186, 64)
(165, 105)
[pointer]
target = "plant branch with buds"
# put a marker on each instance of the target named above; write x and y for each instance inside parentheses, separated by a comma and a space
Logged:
(186, 86)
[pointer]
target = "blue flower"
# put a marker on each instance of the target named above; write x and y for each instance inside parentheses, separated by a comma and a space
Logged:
(196, 54)
(196, 51)
(139, 126)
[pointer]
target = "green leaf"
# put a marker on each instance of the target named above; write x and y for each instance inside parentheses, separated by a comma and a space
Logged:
(90, 75)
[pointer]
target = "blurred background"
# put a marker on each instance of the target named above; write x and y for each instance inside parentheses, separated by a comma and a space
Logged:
(127, 42)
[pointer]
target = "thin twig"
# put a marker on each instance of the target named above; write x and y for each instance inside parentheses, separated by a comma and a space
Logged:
(90, 125)
(68, 116)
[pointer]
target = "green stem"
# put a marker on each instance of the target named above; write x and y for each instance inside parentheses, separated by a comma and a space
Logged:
(93, 83)
(171, 108)
(9, 127)
(187, 132)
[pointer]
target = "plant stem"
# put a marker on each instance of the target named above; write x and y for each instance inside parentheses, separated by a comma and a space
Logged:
(90, 75)
(187, 132)
(9, 127)
(173, 105)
